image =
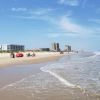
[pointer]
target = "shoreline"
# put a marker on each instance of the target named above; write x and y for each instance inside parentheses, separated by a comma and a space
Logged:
(8, 80)
(39, 58)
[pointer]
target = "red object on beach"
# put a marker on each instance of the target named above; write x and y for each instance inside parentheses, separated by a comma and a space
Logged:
(19, 55)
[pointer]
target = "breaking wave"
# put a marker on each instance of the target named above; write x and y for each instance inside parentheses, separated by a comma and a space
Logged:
(97, 53)
(82, 73)
(49, 69)
(61, 79)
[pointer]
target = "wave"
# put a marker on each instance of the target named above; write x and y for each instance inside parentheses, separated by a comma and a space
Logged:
(97, 53)
(49, 68)
(61, 79)
(88, 54)
(83, 53)
(15, 83)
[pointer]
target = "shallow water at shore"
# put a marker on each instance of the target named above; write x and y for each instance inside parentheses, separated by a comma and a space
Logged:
(42, 86)
(65, 79)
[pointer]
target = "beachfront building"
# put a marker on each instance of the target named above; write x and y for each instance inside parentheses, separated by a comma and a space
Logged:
(67, 48)
(44, 49)
(12, 47)
(55, 47)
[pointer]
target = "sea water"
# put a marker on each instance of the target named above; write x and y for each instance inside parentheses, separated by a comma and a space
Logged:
(77, 71)
(70, 72)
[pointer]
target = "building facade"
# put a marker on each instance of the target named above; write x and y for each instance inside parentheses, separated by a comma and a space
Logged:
(67, 48)
(55, 47)
(12, 47)
(44, 49)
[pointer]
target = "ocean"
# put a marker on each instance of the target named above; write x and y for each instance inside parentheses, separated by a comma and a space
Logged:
(73, 77)
(76, 71)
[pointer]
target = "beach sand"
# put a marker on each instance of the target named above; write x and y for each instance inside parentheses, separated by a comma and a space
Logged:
(40, 57)
(9, 71)
(28, 82)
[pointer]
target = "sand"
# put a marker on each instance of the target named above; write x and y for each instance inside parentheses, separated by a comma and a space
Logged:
(40, 86)
(40, 57)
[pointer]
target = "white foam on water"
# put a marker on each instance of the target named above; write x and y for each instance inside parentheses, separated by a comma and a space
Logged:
(97, 53)
(64, 81)
(15, 83)
(48, 69)
(12, 84)
(61, 79)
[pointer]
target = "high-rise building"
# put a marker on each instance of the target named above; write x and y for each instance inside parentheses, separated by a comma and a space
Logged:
(67, 48)
(55, 47)
(11, 47)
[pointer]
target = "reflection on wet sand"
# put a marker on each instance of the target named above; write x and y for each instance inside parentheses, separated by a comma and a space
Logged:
(42, 87)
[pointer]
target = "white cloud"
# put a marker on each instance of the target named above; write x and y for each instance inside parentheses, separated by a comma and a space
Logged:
(21, 16)
(66, 24)
(61, 34)
(41, 11)
(18, 9)
(70, 2)
(38, 14)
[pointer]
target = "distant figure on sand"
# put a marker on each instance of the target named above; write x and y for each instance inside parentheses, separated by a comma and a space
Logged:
(12, 55)
(30, 55)
(61, 52)
(33, 54)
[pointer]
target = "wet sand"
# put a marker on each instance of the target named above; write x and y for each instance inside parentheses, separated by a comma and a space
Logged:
(28, 82)
(9, 72)
(14, 73)
(42, 86)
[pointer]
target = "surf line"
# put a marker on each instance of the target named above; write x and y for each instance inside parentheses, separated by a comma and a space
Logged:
(61, 79)
(15, 83)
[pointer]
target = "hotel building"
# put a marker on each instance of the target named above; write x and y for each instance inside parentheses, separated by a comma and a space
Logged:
(12, 47)
(55, 47)
(67, 48)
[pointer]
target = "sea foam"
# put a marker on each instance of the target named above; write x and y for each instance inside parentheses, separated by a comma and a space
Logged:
(61, 79)
(49, 70)
(97, 53)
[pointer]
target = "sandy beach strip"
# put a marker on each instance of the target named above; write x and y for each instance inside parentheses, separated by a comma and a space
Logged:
(40, 57)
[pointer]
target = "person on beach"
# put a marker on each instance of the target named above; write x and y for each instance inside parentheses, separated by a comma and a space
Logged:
(12, 55)
(33, 54)
(28, 55)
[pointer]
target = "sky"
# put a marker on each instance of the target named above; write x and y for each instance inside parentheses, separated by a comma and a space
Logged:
(38, 23)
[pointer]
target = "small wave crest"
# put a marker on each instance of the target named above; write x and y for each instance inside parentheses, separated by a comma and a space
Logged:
(83, 53)
(49, 68)
(97, 53)
(14, 84)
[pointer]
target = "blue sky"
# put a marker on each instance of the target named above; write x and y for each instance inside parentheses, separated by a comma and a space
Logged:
(38, 23)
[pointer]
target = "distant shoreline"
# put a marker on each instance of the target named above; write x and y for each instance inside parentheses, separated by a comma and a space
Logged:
(39, 58)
